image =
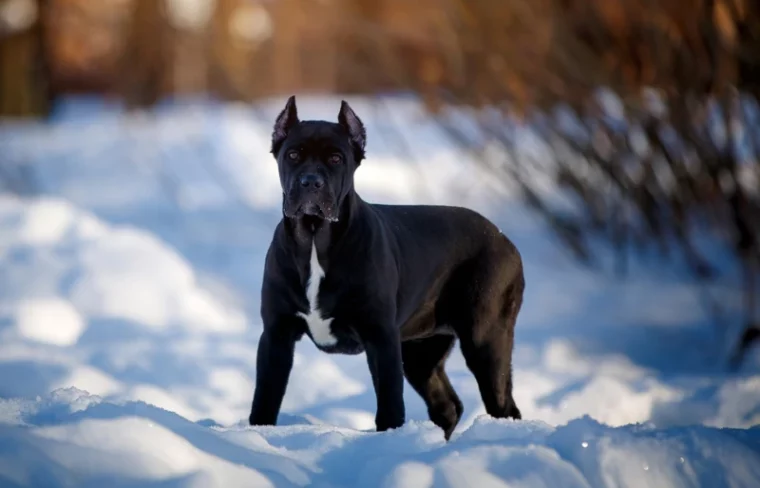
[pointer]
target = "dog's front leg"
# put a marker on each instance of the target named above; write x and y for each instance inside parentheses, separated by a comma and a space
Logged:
(383, 347)
(273, 364)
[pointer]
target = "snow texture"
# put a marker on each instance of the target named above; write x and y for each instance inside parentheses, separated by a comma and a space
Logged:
(71, 438)
(130, 272)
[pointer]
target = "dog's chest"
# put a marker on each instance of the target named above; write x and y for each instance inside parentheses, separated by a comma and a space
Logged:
(319, 326)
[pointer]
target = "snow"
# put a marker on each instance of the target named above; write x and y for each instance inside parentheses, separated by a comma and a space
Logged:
(129, 319)
(49, 320)
(70, 437)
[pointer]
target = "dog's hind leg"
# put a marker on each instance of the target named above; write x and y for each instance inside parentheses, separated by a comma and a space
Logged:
(485, 327)
(488, 359)
(424, 369)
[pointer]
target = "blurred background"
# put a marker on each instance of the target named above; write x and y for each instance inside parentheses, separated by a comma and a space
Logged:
(628, 130)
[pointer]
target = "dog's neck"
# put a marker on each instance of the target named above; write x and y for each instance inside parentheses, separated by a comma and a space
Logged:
(307, 231)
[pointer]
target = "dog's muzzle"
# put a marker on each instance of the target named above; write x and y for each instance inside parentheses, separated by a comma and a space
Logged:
(310, 195)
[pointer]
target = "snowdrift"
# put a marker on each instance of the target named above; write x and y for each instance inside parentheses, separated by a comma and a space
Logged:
(71, 438)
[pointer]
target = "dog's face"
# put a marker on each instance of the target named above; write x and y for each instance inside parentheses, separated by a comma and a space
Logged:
(316, 161)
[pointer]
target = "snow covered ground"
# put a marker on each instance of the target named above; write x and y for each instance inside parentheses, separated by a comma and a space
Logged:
(130, 268)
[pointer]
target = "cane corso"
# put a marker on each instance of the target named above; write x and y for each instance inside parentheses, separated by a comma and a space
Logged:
(398, 282)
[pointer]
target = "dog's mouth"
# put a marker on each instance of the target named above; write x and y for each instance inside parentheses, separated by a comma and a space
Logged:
(313, 210)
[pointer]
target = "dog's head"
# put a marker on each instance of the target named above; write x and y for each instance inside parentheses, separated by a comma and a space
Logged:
(317, 160)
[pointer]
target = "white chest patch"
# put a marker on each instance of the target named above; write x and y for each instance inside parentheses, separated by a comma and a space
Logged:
(318, 326)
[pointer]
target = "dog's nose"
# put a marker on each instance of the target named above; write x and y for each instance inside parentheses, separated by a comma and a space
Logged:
(312, 180)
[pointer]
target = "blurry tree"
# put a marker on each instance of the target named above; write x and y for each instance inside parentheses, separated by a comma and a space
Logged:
(189, 24)
(144, 62)
(82, 44)
(168, 46)
(240, 31)
(22, 84)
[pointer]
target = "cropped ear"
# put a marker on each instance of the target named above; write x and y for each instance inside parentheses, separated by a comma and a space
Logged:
(356, 132)
(285, 121)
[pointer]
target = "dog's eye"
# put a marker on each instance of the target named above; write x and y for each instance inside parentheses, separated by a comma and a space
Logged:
(293, 155)
(335, 158)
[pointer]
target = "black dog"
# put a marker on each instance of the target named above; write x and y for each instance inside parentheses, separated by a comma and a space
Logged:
(400, 283)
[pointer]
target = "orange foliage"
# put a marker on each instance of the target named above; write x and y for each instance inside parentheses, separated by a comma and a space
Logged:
(539, 52)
